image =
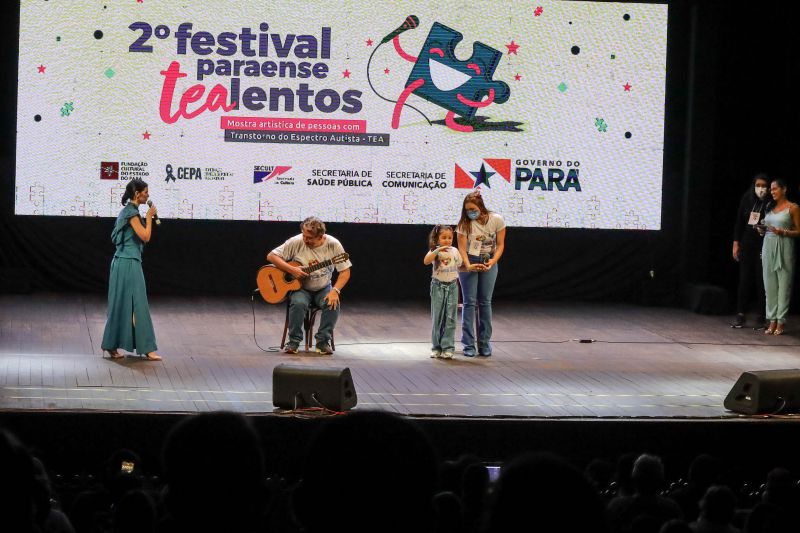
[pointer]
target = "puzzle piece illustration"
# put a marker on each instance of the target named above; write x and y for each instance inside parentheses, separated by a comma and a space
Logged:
(446, 78)
(185, 209)
(410, 202)
(516, 204)
(457, 86)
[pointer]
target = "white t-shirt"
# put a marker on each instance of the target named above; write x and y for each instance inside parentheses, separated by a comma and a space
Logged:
(295, 249)
(482, 239)
(445, 266)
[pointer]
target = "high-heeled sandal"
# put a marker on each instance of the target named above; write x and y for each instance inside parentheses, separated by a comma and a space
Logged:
(152, 356)
(114, 354)
(771, 329)
(778, 330)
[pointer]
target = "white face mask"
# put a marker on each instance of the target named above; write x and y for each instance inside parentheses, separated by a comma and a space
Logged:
(761, 192)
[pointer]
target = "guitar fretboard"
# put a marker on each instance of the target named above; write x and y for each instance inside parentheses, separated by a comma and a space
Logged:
(323, 264)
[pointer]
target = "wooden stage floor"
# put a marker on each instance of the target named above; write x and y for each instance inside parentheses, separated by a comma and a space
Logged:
(645, 362)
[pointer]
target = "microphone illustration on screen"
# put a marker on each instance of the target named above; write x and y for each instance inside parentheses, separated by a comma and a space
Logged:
(410, 23)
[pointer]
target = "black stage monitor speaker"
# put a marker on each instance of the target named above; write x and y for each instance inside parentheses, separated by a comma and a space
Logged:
(765, 391)
(295, 387)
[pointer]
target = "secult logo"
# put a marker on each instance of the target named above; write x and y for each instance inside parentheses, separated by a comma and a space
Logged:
(262, 174)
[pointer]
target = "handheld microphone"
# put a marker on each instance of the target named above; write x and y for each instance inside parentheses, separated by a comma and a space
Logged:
(410, 23)
(155, 217)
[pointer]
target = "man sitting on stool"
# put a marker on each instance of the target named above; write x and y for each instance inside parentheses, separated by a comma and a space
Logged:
(311, 247)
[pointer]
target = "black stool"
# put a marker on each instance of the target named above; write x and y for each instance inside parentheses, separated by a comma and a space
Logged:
(308, 326)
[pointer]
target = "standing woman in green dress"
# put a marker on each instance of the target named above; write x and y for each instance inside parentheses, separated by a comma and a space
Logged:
(781, 225)
(128, 325)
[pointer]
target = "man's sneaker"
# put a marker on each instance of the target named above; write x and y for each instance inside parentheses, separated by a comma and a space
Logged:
(738, 322)
(324, 348)
(435, 354)
(447, 354)
(290, 347)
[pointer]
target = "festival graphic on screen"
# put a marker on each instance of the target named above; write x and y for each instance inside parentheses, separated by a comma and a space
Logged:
(379, 112)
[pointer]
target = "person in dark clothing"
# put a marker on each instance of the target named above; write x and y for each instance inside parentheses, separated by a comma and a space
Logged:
(747, 250)
(704, 471)
(648, 480)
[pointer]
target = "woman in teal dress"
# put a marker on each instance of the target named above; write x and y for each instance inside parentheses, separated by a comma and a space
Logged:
(781, 225)
(128, 325)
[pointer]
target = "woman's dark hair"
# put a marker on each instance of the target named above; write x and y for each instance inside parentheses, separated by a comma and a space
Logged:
(134, 186)
(465, 224)
(780, 182)
(761, 176)
(433, 238)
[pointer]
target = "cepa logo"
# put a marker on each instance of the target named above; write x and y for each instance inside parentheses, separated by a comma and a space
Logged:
(482, 173)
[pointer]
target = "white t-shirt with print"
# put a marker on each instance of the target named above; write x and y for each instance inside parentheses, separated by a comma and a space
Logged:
(445, 265)
(482, 238)
(295, 249)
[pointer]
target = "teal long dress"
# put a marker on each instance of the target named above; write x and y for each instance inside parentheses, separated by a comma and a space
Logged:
(777, 261)
(127, 294)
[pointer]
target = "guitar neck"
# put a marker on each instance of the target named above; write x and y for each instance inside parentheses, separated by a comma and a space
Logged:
(317, 266)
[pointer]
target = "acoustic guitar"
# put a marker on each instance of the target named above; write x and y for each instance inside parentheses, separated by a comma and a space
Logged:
(274, 284)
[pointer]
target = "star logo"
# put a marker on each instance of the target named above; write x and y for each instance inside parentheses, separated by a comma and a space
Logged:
(346, 73)
(146, 135)
(469, 179)
(517, 77)
(538, 11)
(627, 87)
(41, 69)
(482, 176)
(386, 70)
(369, 42)
(512, 48)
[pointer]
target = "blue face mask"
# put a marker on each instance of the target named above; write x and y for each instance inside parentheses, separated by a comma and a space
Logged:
(473, 214)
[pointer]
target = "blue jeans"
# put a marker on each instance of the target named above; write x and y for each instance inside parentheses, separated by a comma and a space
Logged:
(299, 302)
(476, 291)
(444, 309)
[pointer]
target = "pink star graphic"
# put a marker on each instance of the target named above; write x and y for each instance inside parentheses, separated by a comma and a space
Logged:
(346, 73)
(517, 77)
(146, 134)
(512, 48)
(140, 1)
(386, 71)
(627, 87)
(369, 42)
(41, 69)
(538, 11)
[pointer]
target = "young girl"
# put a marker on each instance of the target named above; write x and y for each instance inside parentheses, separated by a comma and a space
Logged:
(444, 291)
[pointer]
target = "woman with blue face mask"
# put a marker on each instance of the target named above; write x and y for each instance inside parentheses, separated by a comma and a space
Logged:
(481, 242)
